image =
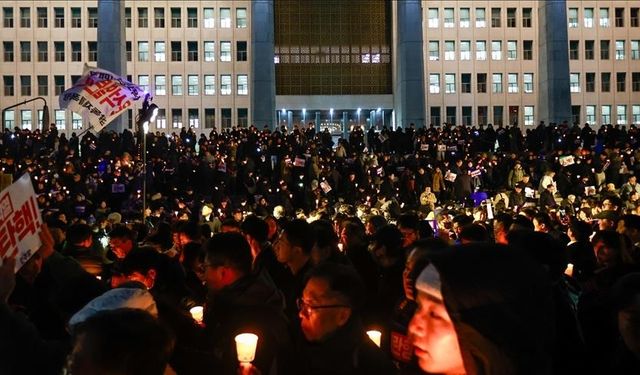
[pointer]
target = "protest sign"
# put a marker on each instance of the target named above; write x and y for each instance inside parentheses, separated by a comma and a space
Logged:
(325, 187)
(566, 161)
(450, 176)
(299, 162)
(101, 95)
(20, 222)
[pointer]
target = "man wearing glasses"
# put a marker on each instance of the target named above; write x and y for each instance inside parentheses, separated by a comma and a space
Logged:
(334, 340)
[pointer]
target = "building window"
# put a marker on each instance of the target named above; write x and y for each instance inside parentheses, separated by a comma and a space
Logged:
(243, 117)
(176, 51)
(513, 83)
(465, 18)
(465, 79)
(528, 115)
(588, 17)
(161, 119)
(143, 17)
(496, 14)
(635, 50)
(93, 18)
(209, 51)
(451, 115)
(450, 83)
(176, 85)
(43, 85)
(209, 20)
(43, 18)
(498, 115)
(635, 17)
(9, 119)
(619, 17)
(76, 121)
(25, 119)
(8, 85)
(241, 51)
(481, 17)
(225, 51)
(482, 82)
(527, 49)
(7, 51)
(449, 18)
(242, 84)
(127, 17)
(635, 81)
(433, 18)
(604, 17)
(449, 50)
(176, 18)
(434, 83)
(434, 115)
(76, 18)
(241, 18)
(43, 51)
(7, 17)
(590, 114)
(192, 51)
(160, 51)
(605, 114)
(621, 81)
(465, 50)
(225, 18)
(589, 46)
(527, 79)
(434, 50)
(225, 84)
(161, 85)
(25, 85)
(209, 84)
(143, 51)
(622, 114)
(158, 17)
(192, 18)
(604, 50)
(129, 50)
(511, 17)
(526, 17)
(481, 50)
(25, 51)
(194, 118)
(466, 115)
(226, 117)
(496, 50)
(193, 85)
(574, 53)
(635, 111)
(60, 116)
(92, 47)
(58, 14)
(58, 50)
(209, 118)
(512, 50)
(176, 118)
(58, 85)
(143, 82)
(25, 17)
(590, 82)
(574, 82)
(619, 49)
(605, 82)
(497, 83)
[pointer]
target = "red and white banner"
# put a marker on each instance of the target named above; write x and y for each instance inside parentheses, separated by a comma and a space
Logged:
(20, 222)
(101, 95)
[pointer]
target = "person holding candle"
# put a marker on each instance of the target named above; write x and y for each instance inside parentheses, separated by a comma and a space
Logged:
(333, 340)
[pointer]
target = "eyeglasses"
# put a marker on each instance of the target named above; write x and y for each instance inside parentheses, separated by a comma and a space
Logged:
(306, 309)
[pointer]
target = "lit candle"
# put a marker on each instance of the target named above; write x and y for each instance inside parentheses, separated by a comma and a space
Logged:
(569, 270)
(375, 336)
(197, 313)
(246, 347)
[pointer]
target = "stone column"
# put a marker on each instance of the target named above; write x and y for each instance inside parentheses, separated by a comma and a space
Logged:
(554, 96)
(263, 72)
(409, 96)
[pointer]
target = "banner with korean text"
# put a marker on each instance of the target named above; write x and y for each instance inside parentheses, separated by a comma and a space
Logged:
(101, 95)
(20, 222)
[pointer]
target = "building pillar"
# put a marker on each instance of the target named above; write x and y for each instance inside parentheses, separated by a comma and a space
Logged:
(409, 99)
(263, 72)
(112, 48)
(554, 96)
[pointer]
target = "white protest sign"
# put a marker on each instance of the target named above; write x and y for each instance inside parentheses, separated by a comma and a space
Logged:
(566, 161)
(325, 187)
(450, 176)
(20, 222)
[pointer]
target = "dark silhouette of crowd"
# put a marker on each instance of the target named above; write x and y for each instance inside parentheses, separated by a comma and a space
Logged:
(471, 250)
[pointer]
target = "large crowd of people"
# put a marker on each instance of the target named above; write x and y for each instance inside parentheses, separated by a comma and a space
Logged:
(472, 250)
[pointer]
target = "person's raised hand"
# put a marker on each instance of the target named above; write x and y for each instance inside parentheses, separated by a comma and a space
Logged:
(7, 278)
